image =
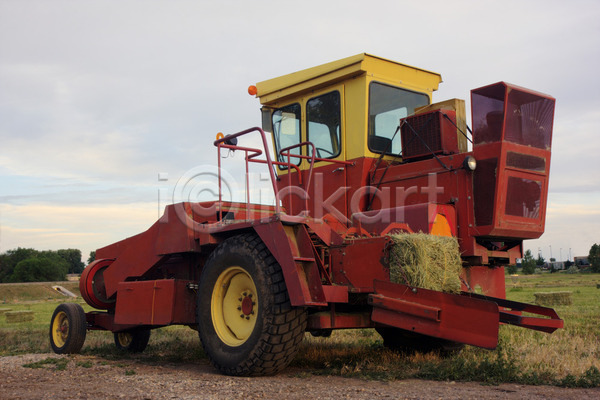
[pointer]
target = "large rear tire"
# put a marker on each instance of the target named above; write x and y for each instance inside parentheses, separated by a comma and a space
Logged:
(68, 328)
(245, 320)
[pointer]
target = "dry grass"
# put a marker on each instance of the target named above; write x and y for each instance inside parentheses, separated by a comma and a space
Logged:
(553, 298)
(568, 357)
(19, 316)
(426, 261)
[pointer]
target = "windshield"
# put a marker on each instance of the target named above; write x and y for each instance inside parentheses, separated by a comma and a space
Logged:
(387, 105)
(286, 131)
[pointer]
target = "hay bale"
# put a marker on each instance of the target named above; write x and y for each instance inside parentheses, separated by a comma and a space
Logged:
(553, 298)
(426, 261)
(19, 316)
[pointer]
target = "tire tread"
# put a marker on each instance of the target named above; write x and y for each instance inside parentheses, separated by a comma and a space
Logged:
(283, 330)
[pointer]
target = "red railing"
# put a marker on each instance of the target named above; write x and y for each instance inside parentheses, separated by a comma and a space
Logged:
(252, 153)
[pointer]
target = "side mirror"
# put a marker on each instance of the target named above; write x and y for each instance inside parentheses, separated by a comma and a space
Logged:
(266, 119)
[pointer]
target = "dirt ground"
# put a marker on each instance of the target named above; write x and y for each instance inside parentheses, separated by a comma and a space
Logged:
(87, 377)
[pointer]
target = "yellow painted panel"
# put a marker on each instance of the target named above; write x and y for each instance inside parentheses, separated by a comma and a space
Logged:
(395, 73)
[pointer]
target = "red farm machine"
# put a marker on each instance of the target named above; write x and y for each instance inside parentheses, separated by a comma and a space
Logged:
(360, 152)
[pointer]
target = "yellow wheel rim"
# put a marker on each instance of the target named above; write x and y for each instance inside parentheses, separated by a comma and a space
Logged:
(234, 306)
(60, 329)
(124, 338)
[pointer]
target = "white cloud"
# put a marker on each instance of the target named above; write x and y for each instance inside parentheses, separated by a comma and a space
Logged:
(50, 226)
(97, 97)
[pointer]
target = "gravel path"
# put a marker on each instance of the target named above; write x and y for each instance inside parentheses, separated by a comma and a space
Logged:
(87, 377)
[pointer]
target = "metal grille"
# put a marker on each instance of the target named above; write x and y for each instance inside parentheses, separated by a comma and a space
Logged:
(429, 133)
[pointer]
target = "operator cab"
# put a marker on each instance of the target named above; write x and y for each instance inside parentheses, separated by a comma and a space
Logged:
(348, 109)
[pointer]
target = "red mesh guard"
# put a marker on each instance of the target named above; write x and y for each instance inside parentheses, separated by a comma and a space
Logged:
(488, 114)
(529, 119)
(523, 197)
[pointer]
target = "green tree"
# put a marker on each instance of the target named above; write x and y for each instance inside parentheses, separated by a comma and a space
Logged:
(40, 269)
(528, 263)
(73, 258)
(10, 259)
(511, 269)
(92, 257)
(594, 258)
(540, 260)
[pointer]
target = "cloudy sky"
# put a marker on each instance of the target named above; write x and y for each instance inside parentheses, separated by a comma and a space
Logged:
(99, 97)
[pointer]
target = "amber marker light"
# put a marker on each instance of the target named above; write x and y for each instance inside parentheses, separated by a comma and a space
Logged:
(220, 135)
(252, 90)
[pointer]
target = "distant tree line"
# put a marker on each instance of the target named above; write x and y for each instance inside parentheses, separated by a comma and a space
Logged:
(529, 263)
(594, 257)
(29, 265)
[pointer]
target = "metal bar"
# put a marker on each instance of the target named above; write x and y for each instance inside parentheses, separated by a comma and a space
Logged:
(407, 307)
(219, 178)
(247, 186)
(513, 317)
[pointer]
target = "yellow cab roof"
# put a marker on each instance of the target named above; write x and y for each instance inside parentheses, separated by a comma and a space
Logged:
(275, 89)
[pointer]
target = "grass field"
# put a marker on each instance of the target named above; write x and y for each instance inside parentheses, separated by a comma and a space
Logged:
(568, 357)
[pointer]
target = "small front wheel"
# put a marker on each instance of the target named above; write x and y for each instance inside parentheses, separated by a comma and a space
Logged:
(133, 341)
(68, 328)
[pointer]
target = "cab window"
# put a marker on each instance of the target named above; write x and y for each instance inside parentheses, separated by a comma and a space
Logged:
(387, 105)
(286, 131)
(324, 124)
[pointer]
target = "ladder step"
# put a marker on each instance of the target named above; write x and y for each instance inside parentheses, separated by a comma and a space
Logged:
(304, 259)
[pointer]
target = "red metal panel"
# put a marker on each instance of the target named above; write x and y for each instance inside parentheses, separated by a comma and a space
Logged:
(359, 263)
(489, 280)
(442, 315)
(105, 321)
(335, 294)
(332, 320)
(138, 254)
(418, 217)
(407, 307)
(157, 303)
(275, 238)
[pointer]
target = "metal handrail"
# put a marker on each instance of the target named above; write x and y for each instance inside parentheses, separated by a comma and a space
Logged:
(252, 153)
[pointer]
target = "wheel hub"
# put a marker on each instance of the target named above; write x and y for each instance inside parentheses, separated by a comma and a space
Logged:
(60, 329)
(247, 306)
